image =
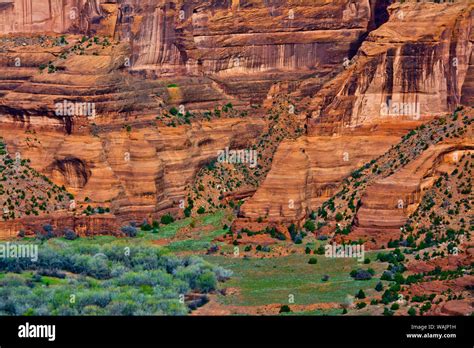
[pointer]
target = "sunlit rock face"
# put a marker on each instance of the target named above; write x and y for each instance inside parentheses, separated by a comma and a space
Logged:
(244, 45)
(361, 74)
(416, 66)
(42, 16)
(413, 66)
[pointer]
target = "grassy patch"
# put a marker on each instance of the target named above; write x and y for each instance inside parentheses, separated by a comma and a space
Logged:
(272, 280)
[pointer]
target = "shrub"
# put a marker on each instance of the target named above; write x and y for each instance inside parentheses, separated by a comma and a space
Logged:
(320, 250)
(309, 225)
(145, 226)
(389, 296)
(360, 295)
(129, 231)
(412, 311)
(361, 305)
(285, 309)
(174, 111)
(206, 282)
(149, 283)
(313, 261)
(298, 239)
(70, 235)
(201, 210)
(395, 307)
(167, 219)
(361, 274)
(379, 286)
(387, 275)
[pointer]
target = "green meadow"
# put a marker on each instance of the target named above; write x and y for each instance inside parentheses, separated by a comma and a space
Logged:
(272, 280)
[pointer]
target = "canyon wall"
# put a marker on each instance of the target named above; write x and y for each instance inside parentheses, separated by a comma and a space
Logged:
(419, 57)
(338, 61)
(45, 16)
(244, 45)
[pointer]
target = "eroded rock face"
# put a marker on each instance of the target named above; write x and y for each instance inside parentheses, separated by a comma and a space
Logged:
(406, 71)
(307, 171)
(419, 58)
(244, 45)
(339, 62)
(61, 221)
(388, 203)
(40, 16)
(141, 172)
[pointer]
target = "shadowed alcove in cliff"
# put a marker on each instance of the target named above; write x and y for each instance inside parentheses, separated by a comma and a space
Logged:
(71, 172)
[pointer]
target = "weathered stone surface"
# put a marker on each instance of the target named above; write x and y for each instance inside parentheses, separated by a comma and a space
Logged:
(421, 55)
(407, 61)
(306, 172)
(218, 52)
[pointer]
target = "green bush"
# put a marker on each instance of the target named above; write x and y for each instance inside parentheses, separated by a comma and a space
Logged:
(360, 294)
(313, 261)
(167, 219)
(104, 280)
(309, 225)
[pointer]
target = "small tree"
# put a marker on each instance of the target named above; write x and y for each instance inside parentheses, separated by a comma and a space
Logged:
(320, 250)
(360, 294)
(309, 225)
(167, 219)
(313, 261)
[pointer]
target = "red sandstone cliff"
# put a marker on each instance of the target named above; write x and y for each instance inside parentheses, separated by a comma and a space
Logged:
(337, 62)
